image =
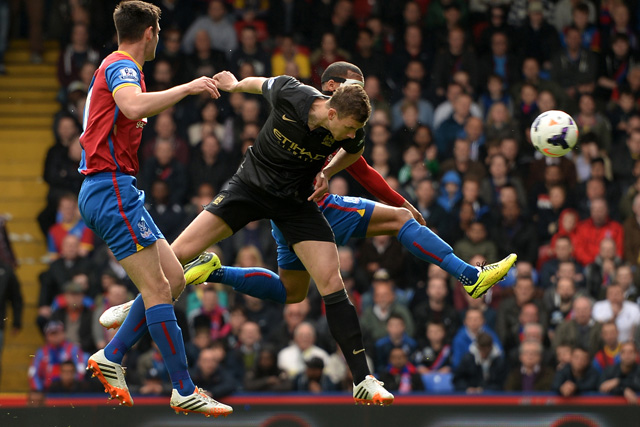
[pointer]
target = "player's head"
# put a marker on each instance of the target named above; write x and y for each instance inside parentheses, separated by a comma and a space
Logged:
(137, 21)
(338, 73)
(349, 110)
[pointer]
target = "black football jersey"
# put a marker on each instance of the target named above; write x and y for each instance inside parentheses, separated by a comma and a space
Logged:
(286, 155)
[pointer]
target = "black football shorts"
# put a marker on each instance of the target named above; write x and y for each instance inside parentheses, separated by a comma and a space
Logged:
(239, 204)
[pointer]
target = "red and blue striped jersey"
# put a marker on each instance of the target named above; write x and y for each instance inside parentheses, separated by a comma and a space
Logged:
(109, 139)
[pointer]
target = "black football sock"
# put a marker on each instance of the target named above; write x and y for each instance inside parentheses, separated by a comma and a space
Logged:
(345, 328)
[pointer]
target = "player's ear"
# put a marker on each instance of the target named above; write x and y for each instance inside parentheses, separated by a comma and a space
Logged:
(332, 113)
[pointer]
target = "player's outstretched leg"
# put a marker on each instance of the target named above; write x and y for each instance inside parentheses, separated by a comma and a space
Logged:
(428, 246)
(254, 281)
(257, 282)
(489, 275)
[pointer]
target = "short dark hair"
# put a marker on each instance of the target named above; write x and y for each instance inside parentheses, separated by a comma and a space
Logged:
(580, 348)
(620, 37)
(589, 137)
(484, 340)
(396, 316)
(132, 18)
(68, 362)
(436, 323)
(340, 70)
(351, 101)
(581, 7)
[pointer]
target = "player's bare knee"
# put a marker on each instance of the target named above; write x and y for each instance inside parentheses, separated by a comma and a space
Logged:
(158, 289)
(177, 286)
(402, 216)
(177, 280)
(332, 283)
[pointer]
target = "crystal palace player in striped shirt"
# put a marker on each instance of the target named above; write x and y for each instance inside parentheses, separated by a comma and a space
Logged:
(115, 114)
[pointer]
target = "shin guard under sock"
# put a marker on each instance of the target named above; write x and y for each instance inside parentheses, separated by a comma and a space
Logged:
(257, 282)
(167, 335)
(345, 328)
(133, 328)
(428, 246)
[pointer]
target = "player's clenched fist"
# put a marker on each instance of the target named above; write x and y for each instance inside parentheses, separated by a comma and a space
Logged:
(204, 84)
(226, 81)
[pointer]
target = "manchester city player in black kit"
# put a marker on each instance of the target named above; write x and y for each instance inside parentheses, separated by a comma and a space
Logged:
(276, 181)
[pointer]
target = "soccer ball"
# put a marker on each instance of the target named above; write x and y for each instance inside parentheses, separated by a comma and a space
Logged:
(554, 133)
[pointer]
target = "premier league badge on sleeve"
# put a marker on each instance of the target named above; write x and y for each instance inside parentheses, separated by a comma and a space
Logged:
(129, 74)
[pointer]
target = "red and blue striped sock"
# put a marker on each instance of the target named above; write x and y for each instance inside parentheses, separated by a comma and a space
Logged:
(257, 282)
(428, 246)
(133, 328)
(164, 329)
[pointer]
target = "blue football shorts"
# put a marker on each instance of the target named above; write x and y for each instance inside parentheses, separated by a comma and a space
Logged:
(112, 206)
(348, 217)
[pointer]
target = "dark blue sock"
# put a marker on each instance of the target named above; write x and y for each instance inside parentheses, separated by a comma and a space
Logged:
(257, 282)
(167, 335)
(428, 246)
(133, 328)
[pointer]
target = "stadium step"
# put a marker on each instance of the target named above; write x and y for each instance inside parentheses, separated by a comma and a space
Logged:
(29, 280)
(29, 82)
(22, 152)
(21, 170)
(32, 252)
(50, 57)
(30, 69)
(14, 95)
(22, 122)
(19, 351)
(29, 135)
(22, 209)
(22, 227)
(29, 108)
(23, 44)
(17, 188)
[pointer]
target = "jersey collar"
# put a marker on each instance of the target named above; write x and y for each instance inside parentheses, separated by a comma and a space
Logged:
(308, 105)
(127, 54)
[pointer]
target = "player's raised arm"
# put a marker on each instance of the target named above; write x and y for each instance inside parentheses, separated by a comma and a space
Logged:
(227, 82)
(340, 161)
(136, 104)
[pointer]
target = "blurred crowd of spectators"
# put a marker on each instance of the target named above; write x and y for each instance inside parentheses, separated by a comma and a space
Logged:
(454, 87)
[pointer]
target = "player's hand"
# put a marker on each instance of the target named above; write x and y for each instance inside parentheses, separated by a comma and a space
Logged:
(416, 214)
(204, 84)
(321, 186)
(225, 81)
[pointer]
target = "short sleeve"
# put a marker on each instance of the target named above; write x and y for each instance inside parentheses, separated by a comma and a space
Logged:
(122, 73)
(272, 88)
